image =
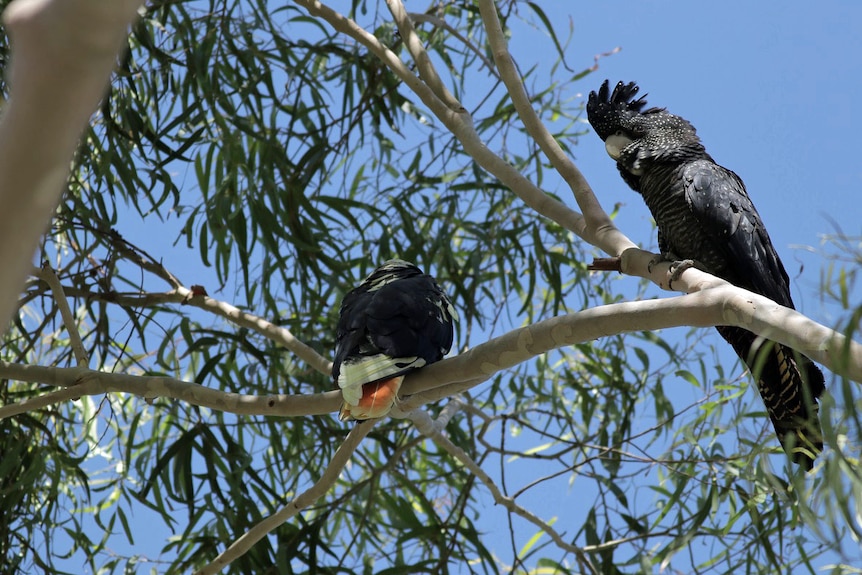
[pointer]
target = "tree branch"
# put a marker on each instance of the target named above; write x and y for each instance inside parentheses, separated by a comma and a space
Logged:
(598, 229)
(726, 305)
(276, 333)
(420, 56)
(426, 426)
(417, 400)
(312, 494)
(444, 25)
(458, 122)
(46, 273)
(63, 52)
(184, 296)
(144, 260)
(61, 395)
(90, 382)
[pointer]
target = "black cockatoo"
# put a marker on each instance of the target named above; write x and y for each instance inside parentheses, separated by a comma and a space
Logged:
(397, 320)
(704, 214)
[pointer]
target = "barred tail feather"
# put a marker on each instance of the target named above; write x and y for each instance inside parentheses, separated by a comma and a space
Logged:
(789, 385)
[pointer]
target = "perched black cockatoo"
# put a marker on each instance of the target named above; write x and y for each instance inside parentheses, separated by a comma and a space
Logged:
(704, 214)
(396, 321)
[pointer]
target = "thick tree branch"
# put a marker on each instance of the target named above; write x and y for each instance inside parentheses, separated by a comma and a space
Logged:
(633, 261)
(598, 229)
(91, 382)
(641, 263)
(420, 56)
(726, 305)
(63, 52)
(315, 492)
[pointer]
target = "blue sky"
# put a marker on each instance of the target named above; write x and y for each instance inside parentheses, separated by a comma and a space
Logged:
(771, 88)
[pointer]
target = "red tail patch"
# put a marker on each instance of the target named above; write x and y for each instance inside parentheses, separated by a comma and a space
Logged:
(378, 397)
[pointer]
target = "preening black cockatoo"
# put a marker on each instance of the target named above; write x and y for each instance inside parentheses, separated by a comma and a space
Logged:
(704, 214)
(396, 321)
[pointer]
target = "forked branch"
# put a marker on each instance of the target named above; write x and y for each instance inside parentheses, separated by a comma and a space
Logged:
(598, 229)
(457, 121)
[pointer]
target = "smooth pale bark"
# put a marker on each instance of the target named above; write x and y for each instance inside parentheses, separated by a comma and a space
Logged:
(63, 52)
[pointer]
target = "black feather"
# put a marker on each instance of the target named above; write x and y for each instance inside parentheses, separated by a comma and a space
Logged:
(703, 213)
(397, 311)
(606, 110)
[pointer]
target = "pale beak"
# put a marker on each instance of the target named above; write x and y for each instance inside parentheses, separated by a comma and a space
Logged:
(615, 144)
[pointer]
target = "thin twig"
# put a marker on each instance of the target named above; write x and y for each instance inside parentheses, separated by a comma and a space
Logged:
(46, 273)
(444, 25)
(185, 296)
(266, 328)
(199, 299)
(417, 400)
(277, 334)
(426, 426)
(145, 261)
(315, 492)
